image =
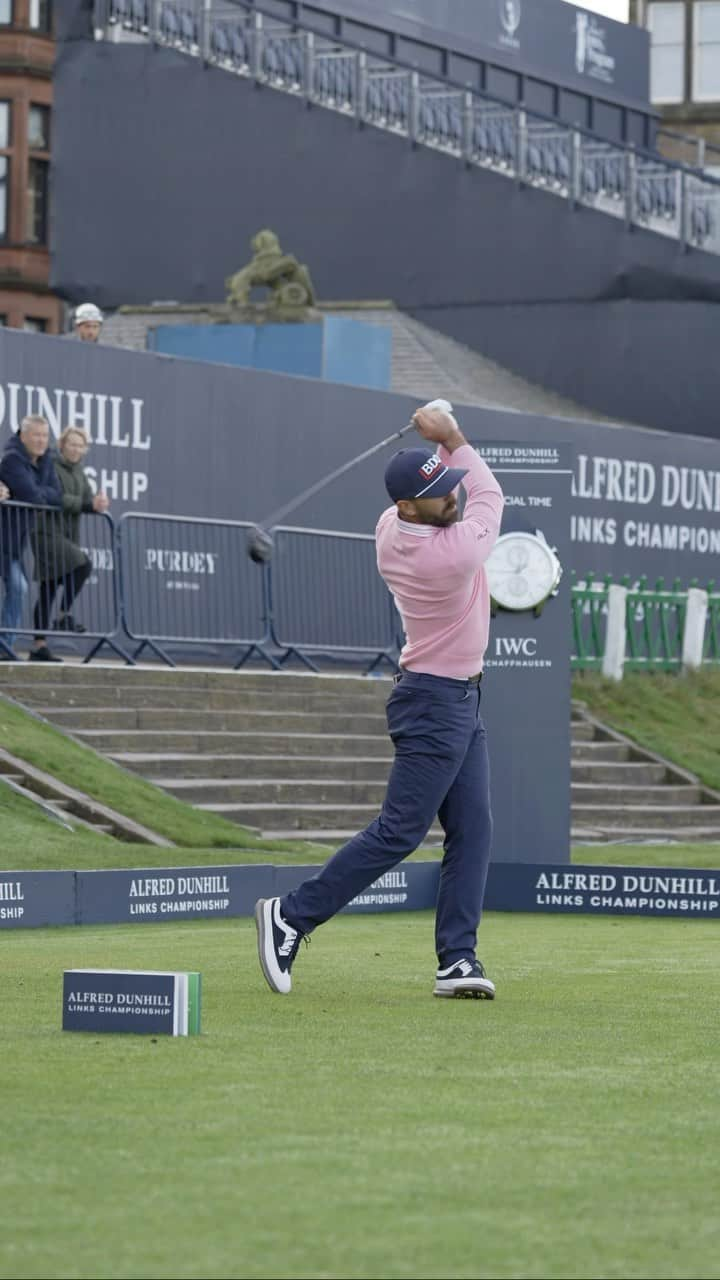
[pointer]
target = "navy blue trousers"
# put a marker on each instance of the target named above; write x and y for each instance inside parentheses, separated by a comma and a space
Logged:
(440, 767)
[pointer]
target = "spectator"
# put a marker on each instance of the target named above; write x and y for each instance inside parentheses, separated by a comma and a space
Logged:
(59, 559)
(88, 322)
(27, 471)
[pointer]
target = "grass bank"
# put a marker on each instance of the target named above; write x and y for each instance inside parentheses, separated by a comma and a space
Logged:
(78, 766)
(676, 716)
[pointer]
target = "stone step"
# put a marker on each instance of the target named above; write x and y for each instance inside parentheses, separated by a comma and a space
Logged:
(636, 816)
(212, 721)
(297, 817)
(296, 744)
(102, 675)
(635, 773)
(159, 768)
(582, 731)
(588, 751)
(266, 791)
(335, 837)
(619, 796)
(127, 696)
(646, 835)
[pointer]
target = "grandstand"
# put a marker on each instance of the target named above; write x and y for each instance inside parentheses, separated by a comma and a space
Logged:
(530, 221)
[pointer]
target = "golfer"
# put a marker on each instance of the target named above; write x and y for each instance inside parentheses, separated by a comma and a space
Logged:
(433, 564)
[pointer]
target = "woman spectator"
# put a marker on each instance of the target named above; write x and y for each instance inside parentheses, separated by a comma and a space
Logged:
(59, 560)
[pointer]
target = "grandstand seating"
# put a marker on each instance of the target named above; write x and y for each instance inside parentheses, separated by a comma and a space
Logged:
(622, 181)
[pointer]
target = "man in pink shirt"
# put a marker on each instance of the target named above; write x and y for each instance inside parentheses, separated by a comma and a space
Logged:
(433, 563)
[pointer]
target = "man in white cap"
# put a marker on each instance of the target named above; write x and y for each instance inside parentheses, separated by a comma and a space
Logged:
(88, 322)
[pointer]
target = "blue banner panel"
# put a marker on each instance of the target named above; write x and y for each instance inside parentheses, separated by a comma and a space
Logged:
(169, 893)
(600, 890)
(32, 898)
(201, 893)
(412, 886)
(143, 1003)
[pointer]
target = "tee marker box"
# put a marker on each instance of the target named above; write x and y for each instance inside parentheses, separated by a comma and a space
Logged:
(140, 1001)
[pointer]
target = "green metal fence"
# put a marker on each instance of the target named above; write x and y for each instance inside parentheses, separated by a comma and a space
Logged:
(654, 623)
(589, 597)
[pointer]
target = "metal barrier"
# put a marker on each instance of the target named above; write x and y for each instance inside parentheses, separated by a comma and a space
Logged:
(328, 597)
(641, 187)
(187, 580)
(180, 580)
(58, 576)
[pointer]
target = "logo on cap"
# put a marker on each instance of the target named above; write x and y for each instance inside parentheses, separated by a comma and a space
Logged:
(432, 465)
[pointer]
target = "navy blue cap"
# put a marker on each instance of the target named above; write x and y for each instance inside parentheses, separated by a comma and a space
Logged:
(418, 473)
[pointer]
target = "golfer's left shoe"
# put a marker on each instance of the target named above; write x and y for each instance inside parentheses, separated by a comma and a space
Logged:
(278, 944)
(464, 978)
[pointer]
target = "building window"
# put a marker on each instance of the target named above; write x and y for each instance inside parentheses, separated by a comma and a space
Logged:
(34, 324)
(36, 213)
(706, 51)
(6, 13)
(38, 136)
(39, 128)
(666, 23)
(5, 139)
(40, 15)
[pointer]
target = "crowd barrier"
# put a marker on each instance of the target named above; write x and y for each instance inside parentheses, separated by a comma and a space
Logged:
(167, 583)
(164, 583)
(53, 586)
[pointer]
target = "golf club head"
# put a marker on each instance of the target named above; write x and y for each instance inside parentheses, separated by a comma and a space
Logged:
(260, 546)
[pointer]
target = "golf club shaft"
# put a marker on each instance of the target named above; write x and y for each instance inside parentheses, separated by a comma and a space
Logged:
(320, 484)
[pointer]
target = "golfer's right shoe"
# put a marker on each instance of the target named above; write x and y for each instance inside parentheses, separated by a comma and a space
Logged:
(464, 978)
(278, 944)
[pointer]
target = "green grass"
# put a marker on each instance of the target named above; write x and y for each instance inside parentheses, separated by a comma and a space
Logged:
(676, 716)
(360, 1128)
(79, 766)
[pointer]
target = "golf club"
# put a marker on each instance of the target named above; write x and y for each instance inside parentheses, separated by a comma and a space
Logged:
(260, 543)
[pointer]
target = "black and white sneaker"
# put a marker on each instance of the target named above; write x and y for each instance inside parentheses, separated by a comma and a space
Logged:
(464, 978)
(278, 944)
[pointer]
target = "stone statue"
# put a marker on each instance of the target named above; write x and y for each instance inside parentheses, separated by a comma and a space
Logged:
(291, 294)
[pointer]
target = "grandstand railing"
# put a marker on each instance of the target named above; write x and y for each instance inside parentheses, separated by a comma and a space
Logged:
(642, 188)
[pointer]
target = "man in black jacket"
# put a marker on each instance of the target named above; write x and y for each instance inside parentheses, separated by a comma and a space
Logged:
(26, 469)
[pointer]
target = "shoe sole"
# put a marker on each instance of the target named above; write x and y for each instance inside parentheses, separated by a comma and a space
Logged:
(262, 935)
(460, 992)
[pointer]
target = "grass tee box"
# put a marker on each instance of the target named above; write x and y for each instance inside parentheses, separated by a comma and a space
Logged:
(141, 1001)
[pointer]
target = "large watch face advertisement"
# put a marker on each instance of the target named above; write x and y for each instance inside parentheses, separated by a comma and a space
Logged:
(526, 686)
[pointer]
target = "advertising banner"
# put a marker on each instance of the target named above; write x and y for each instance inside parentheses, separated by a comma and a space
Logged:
(184, 438)
(32, 898)
(171, 894)
(528, 660)
(600, 890)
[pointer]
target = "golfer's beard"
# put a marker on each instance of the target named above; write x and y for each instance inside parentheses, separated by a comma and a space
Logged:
(444, 520)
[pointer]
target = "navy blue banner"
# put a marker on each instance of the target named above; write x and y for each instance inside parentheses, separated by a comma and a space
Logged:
(201, 893)
(578, 890)
(32, 898)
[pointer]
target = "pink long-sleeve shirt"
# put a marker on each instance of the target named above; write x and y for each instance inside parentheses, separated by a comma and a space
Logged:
(437, 576)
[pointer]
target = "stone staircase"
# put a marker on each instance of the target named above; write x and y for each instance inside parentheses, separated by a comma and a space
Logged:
(308, 756)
